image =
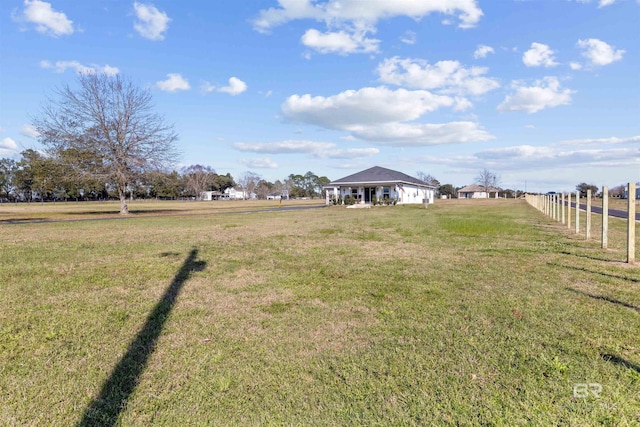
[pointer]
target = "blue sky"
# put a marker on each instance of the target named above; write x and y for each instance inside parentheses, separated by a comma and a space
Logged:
(544, 93)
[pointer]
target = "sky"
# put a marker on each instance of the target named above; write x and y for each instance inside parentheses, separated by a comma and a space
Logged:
(544, 93)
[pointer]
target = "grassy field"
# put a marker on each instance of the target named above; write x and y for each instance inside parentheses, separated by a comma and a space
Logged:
(53, 211)
(464, 313)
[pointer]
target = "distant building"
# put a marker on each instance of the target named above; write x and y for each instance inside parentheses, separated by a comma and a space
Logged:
(211, 195)
(475, 191)
(625, 195)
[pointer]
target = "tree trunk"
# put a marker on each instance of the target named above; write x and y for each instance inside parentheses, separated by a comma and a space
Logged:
(124, 209)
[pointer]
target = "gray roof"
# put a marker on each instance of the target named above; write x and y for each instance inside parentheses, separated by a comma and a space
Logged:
(476, 188)
(378, 175)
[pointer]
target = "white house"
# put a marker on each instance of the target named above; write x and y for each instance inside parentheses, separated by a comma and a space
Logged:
(474, 191)
(383, 184)
(233, 194)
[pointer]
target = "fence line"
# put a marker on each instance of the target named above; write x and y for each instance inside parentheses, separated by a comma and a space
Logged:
(553, 205)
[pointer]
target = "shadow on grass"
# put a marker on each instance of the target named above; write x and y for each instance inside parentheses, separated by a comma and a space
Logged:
(605, 298)
(20, 220)
(620, 362)
(106, 408)
(586, 270)
(595, 258)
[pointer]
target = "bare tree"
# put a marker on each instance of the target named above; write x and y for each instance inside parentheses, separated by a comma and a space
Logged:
(112, 119)
(427, 178)
(198, 179)
(617, 191)
(248, 182)
(487, 180)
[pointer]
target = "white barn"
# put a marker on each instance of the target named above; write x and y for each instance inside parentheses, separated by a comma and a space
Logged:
(384, 184)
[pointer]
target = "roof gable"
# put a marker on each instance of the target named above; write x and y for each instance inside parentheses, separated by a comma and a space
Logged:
(378, 174)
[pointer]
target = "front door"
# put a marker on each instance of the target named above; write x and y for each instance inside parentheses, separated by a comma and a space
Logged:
(368, 192)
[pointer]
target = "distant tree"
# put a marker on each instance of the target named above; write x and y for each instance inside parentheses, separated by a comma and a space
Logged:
(222, 182)
(487, 180)
(583, 187)
(248, 181)
(7, 175)
(428, 179)
(263, 189)
(23, 179)
(321, 182)
(197, 179)
(310, 184)
(278, 187)
(447, 190)
(617, 191)
(295, 185)
(165, 185)
(111, 118)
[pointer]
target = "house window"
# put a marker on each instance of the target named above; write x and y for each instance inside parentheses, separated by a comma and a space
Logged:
(385, 192)
(354, 192)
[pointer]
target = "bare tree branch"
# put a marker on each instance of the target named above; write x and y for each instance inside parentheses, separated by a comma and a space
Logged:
(111, 120)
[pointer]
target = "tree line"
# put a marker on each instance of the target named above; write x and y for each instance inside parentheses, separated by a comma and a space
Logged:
(42, 177)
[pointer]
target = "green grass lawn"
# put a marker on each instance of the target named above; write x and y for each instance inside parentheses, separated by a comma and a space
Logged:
(480, 312)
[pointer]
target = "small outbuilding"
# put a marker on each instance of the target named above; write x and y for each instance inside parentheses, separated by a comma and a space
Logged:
(380, 184)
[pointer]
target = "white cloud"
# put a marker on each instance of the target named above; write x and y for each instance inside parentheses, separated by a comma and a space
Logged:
(284, 147)
(235, 87)
(601, 3)
(259, 163)
(545, 94)
(603, 141)
(517, 157)
(379, 114)
(482, 51)
(539, 55)
(551, 157)
(349, 153)
(321, 150)
(62, 66)
(340, 42)
(47, 20)
(151, 23)
(174, 82)
(409, 37)
(575, 66)
(349, 21)
(8, 147)
(410, 134)
(367, 106)
(599, 52)
(448, 76)
(356, 12)
(29, 131)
